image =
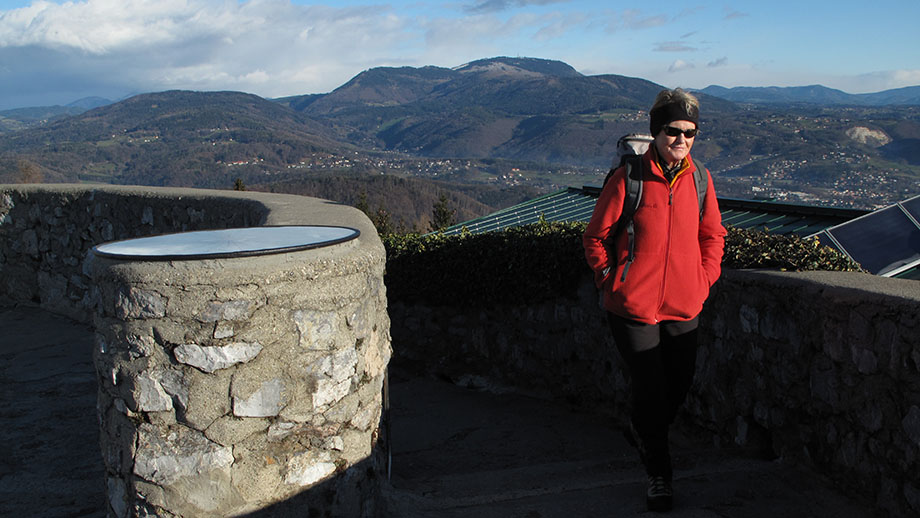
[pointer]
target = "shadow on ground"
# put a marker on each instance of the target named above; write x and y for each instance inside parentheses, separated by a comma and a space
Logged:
(456, 452)
(50, 465)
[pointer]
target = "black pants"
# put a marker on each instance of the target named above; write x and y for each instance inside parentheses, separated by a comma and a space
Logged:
(661, 360)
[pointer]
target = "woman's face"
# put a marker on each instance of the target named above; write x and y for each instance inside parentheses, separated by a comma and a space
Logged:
(673, 149)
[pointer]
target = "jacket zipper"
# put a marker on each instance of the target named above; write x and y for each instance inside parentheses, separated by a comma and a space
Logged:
(667, 250)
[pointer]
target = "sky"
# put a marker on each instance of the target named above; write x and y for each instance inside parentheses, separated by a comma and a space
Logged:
(54, 52)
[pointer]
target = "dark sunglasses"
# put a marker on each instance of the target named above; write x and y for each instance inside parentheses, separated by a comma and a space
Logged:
(671, 131)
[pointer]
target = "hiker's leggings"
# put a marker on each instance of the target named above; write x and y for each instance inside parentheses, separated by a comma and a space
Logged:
(662, 360)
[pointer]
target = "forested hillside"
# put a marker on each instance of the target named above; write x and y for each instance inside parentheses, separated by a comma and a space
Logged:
(403, 203)
(170, 138)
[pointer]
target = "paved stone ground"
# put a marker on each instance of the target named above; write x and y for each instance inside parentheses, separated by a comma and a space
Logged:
(463, 453)
(50, 465)
(457, 452)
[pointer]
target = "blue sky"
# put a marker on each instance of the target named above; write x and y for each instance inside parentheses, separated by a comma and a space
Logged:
(55, 52)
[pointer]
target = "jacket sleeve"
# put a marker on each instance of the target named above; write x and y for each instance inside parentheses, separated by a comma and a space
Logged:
(602, 227)
(711, 235)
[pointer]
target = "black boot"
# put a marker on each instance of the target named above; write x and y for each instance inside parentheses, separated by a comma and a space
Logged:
(660, 495)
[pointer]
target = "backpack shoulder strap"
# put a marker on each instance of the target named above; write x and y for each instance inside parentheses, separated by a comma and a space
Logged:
(633, 186)
(609, 175)
(701, 179)
(631, 202)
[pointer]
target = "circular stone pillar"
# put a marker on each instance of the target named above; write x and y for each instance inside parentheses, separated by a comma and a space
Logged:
(241, 381)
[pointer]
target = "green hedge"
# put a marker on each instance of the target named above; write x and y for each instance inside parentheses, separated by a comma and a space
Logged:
(756, 249)
(546, 260)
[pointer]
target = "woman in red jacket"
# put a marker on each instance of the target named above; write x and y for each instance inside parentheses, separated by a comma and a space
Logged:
(653, 302)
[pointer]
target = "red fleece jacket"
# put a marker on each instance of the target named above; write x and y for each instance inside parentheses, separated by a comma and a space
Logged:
(678, 255)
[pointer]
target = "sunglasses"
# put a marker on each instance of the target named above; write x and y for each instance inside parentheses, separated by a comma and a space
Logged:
(671, 131)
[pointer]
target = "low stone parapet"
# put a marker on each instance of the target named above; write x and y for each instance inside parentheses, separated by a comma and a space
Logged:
(46, 231)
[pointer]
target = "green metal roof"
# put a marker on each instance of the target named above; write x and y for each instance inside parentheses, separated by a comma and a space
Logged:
(912, 274)
(783, 218)
(565, 205)
(574, 204)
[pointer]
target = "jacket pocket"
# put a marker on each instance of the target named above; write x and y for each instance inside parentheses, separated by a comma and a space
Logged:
(687, 287)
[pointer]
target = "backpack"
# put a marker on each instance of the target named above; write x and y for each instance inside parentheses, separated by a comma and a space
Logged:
(630, 149)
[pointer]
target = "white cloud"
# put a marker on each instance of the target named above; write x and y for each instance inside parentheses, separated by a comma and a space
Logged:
(905, 77)
(477, 31)
(680, 65)
(557, 26)
(876, 81)
(481, 36)
(673, 46)
(489, 6)
(269, 47)
(58, 52)
(103, 26)
(635, 19)
(731, 14)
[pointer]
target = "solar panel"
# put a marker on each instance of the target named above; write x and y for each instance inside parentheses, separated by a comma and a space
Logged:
(825, 239)
(882, 241)
(809, 227)
(912, 206)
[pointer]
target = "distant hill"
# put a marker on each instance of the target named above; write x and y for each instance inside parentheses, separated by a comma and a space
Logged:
(168, 138)
(907, 95)
(391, 86)
(88, 103)
(815, 95)
(23, 118)
(512, 108)
(505, 66)
(407, 201)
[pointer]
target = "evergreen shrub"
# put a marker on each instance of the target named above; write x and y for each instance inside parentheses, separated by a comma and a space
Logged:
(546, 260)
(745, 248)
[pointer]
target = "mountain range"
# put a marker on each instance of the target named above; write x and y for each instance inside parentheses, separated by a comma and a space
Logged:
(816, 95)
(407, 84)
(480, 130)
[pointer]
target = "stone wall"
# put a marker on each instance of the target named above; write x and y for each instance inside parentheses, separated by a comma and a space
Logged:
(47, 230)
(231, 385)
(226, 386)
(825, 365)
(821, 367)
